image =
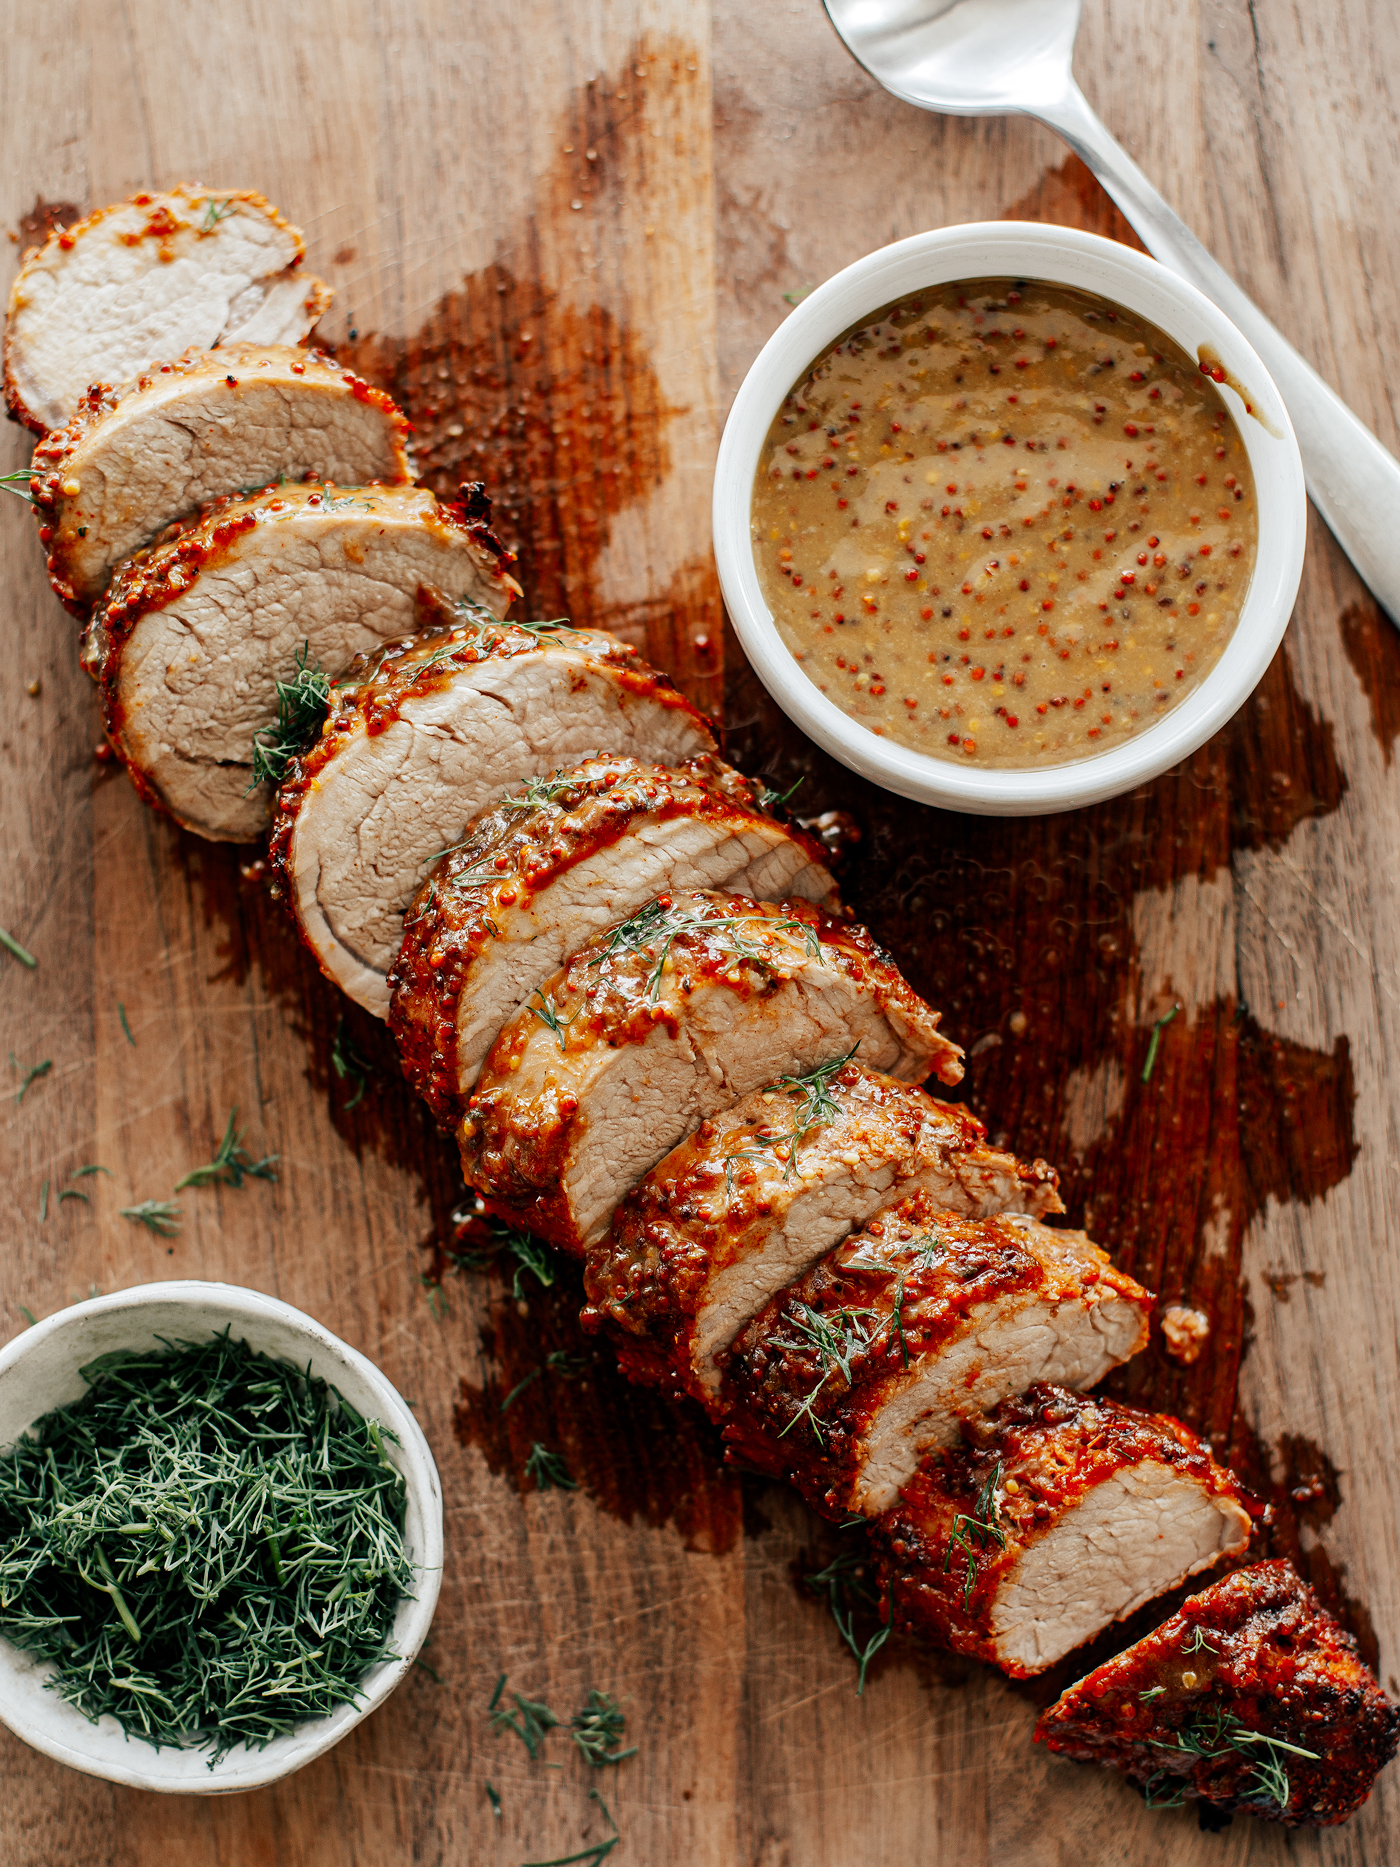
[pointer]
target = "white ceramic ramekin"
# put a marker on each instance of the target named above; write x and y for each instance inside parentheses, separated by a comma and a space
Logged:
(39, 1371)
(1063, 256)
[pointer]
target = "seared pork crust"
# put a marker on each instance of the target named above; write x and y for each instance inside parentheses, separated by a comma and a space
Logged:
(1251, 1697)
(194, 632)
(757, 1194)
(667, 1018)
(1056, 1515)
(542, 871)
(845, 1379)
(134, 459)
(423, 735)
(141, 282)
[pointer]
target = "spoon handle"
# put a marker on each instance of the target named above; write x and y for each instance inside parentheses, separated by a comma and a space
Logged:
(1354, 481)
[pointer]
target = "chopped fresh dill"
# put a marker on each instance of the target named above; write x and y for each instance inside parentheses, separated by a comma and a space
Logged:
(925, 1251)
(21, 953)
(1157, 1030)
(548, 1014)
(531, 1720)
(795, 298)
(769, 799)
(33, 1074)
(1197, 1641)
(975, 1535)
(520, 1386)
(11, 483)
(30, 1318)
(349, 1065)
(121, 1013)
(1163, 1790)
(837, 1343)
(1153, 1691)
(215, 211)
(491, 632)
(161, 1216)
(493, 1797)
(302, 705)
(232, 1163)
(849, 1593)
(597, 1728)
(208, 1545)
(436, 1295)
(1215, 1731)
(530, 1254)
(814, 1104)
(548, 1470)
(654, 930)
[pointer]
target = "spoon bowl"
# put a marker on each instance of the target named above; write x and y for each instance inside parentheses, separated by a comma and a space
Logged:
(963, 57)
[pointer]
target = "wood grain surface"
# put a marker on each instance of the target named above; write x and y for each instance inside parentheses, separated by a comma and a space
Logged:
(562, 232)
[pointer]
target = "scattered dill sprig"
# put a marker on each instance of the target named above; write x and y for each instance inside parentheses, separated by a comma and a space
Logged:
(11, 483)
(208, 1545)
(21, 953)
(493, 1797)
(531, 1255)
(597, 1728)
(491, 632)
(1197, 1641)
(437, 1297)
(924, 1251)
(30, 1318)
(848, 1593)
(558, 1361)
(1153, 1691)
(215, 211)
(769, 799)
(349, 1065)
(531, 1720)
(837, 1341)
(813, 1105)
(1157, 1030)
(548, 1470)
(44, 1202)
(232, 1163)
(121, 1013)
(654, 930)
(795, 298)
(548, 1014)
(33, 1074)
(302, 704)
(1215, 1731)
(161, 1216)
(975, 1535)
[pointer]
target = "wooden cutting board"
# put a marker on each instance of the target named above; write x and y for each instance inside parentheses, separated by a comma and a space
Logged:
(561, 232)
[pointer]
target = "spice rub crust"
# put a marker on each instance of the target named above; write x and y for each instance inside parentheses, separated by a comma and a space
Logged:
(1250, 1697)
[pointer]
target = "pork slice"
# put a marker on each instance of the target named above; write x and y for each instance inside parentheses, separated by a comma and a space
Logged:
(1056, 1516)
(194, 634)
(760, 1192)
(133, 460)
(1251, 1697)
(844, 1380)
(662, 1020)
(144, 281)
(548, 867)
(426, 737)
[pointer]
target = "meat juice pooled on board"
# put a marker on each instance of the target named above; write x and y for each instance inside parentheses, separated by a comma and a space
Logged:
(1005, 522)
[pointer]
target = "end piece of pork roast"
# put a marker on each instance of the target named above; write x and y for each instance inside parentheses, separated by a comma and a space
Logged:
(194, 633)
(662, 1020)
(757, 1194)
(133, 460)
(144, 281)
(423, 737)
(1054, 1517)
(1250, 1697)
(542, 871)
(846, 1379)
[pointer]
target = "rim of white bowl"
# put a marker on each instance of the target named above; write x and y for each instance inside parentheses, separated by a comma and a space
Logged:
(1033, 251)
(39, 1371)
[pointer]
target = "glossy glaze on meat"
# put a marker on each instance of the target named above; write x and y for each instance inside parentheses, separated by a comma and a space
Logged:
(666, 1019)
(1251, 1697)
(751, 1200)
(852, 1373)
(1056, 1515)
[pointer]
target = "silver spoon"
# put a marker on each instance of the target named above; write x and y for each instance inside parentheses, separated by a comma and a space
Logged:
(973, 58)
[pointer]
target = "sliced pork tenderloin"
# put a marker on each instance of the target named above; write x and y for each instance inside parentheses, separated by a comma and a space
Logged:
(426, 735)
(144, 281)
(1251, 1697)
(537, 875)
(194, 633)
(759, 1193)
(133, 460)
(848, 1377)
(662, 1020)
(1055, 1516)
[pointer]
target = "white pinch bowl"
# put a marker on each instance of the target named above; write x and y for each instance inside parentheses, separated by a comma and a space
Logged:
(39, 1371)
(1060, 256)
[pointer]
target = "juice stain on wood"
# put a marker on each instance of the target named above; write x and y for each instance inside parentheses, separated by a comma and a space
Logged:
(1372, 644)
